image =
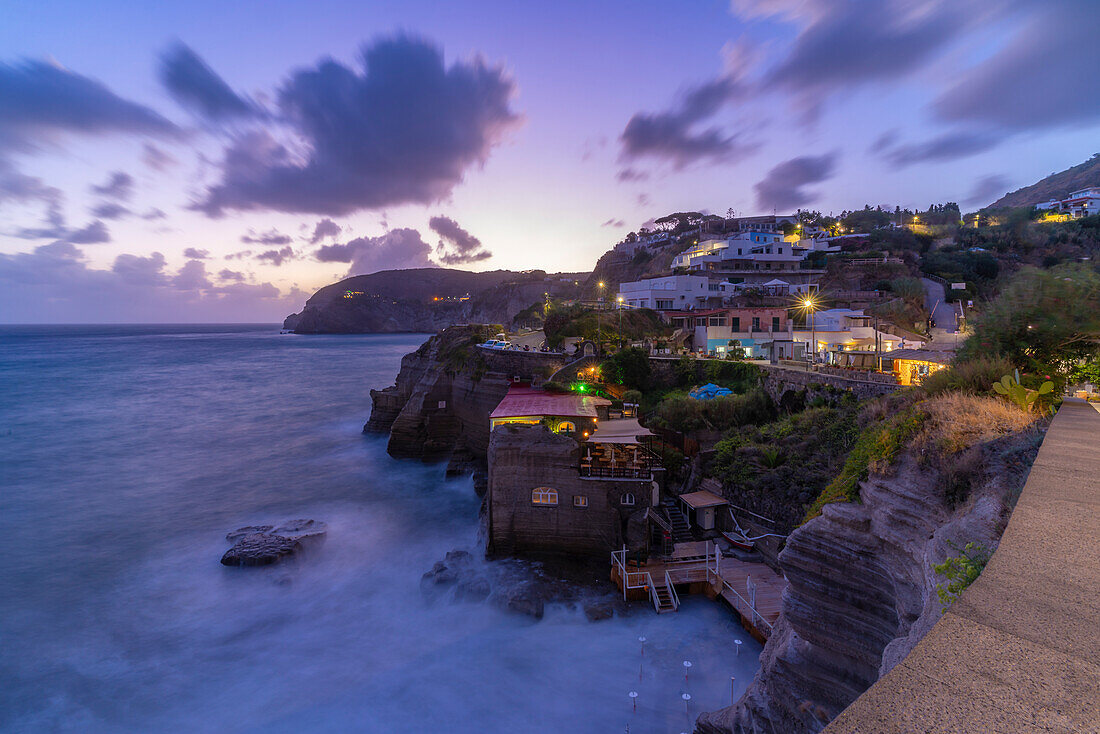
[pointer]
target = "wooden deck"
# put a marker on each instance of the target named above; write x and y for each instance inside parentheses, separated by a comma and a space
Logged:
(753, 590)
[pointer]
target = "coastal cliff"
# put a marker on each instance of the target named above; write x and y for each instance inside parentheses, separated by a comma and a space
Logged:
(862, 590)
(438, 409)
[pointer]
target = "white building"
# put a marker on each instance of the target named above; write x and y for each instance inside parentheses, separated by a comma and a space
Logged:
(749, 250)
(673, 292)
(1082, 203)
(839, 330)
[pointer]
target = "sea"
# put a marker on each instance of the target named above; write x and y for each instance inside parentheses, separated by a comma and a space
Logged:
(126, 455)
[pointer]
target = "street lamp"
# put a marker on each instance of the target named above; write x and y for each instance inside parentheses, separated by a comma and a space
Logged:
(599, 327)
(620, 300)
(809, 305)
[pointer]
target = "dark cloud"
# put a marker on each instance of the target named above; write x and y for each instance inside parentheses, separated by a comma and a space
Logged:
(41, 100)
(154, 213)
(643, 200)
(456, 245)
(195, 254)
(118, 186)
(614, 223)
(672, 135)
(403, 130)
(1047, 76)
(397, 249)
(852, 42)
(325, 228)
(631, 174)
(987, 189)
(110, 210)
(198, 88)
(239, 255)
(227, 274)
(156, 158)
(785, 185)
(946, 147)
(277, 257)
(94, 234)
(270, 237)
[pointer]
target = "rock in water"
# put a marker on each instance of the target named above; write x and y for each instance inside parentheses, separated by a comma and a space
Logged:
(260, 549)
(234, 535)
(262, 545)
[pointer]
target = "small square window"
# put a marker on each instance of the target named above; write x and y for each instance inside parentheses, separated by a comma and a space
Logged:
(579, 500)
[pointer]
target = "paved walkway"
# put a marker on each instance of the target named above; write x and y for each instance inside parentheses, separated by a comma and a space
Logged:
(935, 298)
(1020, 651)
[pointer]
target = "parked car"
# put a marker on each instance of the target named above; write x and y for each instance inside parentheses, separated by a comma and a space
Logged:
(489, 344)
(502, 345)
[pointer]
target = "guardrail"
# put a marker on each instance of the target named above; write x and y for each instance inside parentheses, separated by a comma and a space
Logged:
(672, 591)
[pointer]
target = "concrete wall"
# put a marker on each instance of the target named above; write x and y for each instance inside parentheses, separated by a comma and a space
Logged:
(1020, 650)
(522, 458)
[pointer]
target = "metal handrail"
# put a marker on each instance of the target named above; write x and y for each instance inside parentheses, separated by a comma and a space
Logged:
(672, 591)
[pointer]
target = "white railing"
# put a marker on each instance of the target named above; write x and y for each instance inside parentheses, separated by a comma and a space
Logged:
(653, 593)
(672, 591)
(740, 603)
(631, 579)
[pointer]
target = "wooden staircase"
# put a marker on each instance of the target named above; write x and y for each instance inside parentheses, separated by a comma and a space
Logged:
(663, 600)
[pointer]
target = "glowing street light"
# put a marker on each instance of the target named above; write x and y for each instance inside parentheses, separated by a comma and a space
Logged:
(620, 301)
(809, 304)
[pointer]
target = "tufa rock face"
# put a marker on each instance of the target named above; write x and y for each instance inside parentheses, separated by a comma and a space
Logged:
(263, 545)
(862, 593)
(434, 412)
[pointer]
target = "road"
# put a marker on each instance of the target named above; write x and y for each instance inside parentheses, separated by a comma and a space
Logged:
(935, 298)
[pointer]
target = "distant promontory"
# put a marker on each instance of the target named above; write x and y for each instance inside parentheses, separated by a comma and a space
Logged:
(427, 300)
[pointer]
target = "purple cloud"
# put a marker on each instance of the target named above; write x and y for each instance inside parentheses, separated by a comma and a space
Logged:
(456, 246)
(270, 237)
(397, 249)
(277, 257)
(198, 88)
(192, 253)
(118, 186)
(402, 130)
(325, 228)
(784, 187)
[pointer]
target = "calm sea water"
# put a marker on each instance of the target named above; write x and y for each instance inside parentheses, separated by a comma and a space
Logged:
(127, 453)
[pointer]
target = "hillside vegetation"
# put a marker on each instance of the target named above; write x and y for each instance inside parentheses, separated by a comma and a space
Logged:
(1054, 186)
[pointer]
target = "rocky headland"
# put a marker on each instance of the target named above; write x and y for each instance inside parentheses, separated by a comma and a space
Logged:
(425, 300)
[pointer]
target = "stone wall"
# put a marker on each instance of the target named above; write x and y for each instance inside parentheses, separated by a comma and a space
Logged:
(527, 365)
(522, 458)
(778, 380)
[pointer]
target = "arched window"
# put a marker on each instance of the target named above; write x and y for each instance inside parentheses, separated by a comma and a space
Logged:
(567, 427)
(544, 496)
(628, 500)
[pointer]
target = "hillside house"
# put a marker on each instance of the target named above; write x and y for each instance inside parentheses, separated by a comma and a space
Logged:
(569, 414)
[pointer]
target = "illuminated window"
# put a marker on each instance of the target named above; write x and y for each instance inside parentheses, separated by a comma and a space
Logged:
(544, 496)
(579, 500)
(567, 427)
(628, 500)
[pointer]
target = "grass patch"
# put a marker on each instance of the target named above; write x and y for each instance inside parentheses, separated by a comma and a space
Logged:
(874, 451)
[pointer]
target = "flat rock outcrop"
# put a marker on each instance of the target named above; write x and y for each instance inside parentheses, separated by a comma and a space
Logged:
(861, 594)
(263, 545)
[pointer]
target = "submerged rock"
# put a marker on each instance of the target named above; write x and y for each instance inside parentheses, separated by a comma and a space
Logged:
(522, 599)
(456, 571)
(598, 609)
(260, 549)
(263, 545)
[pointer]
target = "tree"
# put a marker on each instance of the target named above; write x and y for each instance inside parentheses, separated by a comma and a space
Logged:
(1044, 321)
(628, 367)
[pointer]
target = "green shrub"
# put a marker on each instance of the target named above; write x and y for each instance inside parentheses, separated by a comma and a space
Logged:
(875, 450)
(960, 571)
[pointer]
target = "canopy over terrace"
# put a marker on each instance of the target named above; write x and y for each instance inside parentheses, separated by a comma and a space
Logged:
(624, 430)
(913, 365)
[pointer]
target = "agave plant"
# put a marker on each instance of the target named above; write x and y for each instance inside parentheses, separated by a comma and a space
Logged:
(1024, 398)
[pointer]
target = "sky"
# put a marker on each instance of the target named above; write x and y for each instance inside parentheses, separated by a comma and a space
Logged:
(218, 162)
